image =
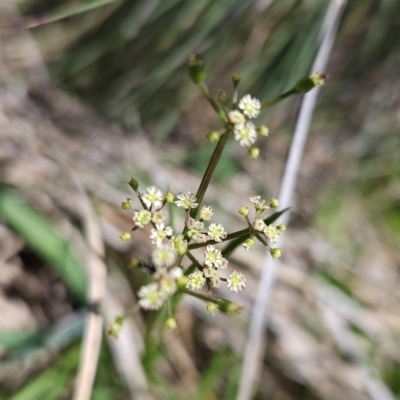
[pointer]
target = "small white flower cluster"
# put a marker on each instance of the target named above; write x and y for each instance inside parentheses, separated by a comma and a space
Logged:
(196, 232)
(271, 231)
(244, 130)
(170, 247)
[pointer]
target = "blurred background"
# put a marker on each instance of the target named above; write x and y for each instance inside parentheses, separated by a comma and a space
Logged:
(94, 92)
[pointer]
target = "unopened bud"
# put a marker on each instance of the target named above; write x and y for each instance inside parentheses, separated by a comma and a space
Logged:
(274, 203)
(212, 307)
(306, 84)
(181, 282)
(126, 205)
(254, 152)
(213, 137)
(222, 97)
(244, 211)
(169, 197)
(233, 308)
(281, 228)
(125, 236)
(275, 253)
(134, 184)
(114, 329)
(195, 63)
(170, 323)
(263, 130)
(236, 78)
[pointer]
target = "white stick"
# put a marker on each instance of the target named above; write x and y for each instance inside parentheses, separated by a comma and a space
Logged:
(254, 345)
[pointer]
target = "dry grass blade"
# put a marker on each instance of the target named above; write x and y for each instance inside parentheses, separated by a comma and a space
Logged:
(97, 278)
(254, 344)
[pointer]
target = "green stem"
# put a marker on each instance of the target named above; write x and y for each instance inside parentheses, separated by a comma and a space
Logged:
(210, 170)
(277, 99)
(199, 295)
(194, 261)
(231, 236)
(220, 112)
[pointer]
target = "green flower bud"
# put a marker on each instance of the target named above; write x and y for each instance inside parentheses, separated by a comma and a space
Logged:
(233, 308)
(126, 205)
(275, 253)
(134, 184)
(306, 84)
(212, 307)
(274, 203)
(263, 130)
(236, 78)
(195, 65)
(125, 236)
(170, 323)
(244, 211)
(181, 282)
(254, 152)
(213, 137)
(114, 329)
(281, 228)
(222, 97)
(169, 197)
(134, 263)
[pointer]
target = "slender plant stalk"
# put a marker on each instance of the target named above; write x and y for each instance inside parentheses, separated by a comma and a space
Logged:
(277, 99)
(220, 112)
(210, 170)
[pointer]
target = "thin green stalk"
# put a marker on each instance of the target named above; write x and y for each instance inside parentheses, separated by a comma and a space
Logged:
(220, 112)
(277, 99)
(231, 236)
(210, 170)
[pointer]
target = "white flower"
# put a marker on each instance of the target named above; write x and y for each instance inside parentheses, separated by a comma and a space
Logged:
(195, 280)
(217, 232)
(250, 106)
(236, 281)
(206, 213)
(151, 297)
(271, 233)
(153, 196)
(160, 233)
(157, 217)
(236, 117)
(186, 200)
(141, 218)
(259, 204)
(246, 134)
(213, 257)
(258, 225)
(164, 256)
